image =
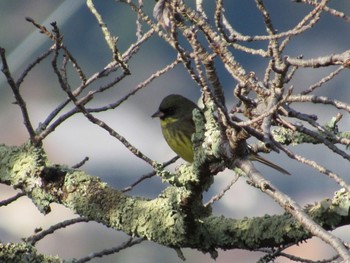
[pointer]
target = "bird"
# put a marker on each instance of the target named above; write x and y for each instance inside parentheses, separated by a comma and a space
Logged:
(175, 114)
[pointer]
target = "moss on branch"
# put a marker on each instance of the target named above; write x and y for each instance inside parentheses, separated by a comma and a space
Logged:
(166, 219)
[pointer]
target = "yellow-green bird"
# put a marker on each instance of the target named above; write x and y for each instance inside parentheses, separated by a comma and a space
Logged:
(175, 114)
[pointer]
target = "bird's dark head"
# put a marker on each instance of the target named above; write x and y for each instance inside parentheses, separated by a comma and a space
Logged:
(174, 107)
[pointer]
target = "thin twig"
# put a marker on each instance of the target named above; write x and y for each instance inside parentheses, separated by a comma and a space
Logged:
(331, 11)
(11, 199)
(223, 191)
(32, 65)
(140, 86)
(42, 234)
(103, 125)
(81, 163)
(317, 166)
(149, 175)
(139, 31)
(322, 81)
(19, 99)
(131, 242)
(47, 129)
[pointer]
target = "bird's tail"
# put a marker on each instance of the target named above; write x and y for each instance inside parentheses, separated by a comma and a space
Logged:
(256, 157)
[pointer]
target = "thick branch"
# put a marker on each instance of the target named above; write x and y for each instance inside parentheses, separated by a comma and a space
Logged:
(164, 219)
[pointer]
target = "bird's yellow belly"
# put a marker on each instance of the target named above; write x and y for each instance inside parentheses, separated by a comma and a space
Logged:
(180, 144)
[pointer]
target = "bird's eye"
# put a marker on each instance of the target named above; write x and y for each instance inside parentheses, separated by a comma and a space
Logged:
(169, 111)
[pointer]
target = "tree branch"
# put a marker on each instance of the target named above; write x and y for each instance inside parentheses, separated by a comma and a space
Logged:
(164, 219)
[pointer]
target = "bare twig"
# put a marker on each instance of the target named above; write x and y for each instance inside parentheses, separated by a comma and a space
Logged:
(325, 61)
(81, 163)
(19, 99)
(331, 11)
(131, 242)
(42, 234)
(140, 86)
(32, 65)
(323, 80)
(317, 166)
(320, 100)
(139, 31)
(223, 191)
(11, 199)
(149, 175)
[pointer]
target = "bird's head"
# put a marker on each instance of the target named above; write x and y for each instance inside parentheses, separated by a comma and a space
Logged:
(174, 107)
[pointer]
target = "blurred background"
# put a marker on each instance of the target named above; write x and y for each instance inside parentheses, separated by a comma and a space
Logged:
(111, 161)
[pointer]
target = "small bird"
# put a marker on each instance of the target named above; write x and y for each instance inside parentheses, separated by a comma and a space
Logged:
(175, 114)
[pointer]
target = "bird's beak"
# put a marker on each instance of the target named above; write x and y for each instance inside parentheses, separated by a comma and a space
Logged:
(157, 114)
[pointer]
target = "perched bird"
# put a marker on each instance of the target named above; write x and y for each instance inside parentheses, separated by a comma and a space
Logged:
(175, 114)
